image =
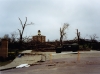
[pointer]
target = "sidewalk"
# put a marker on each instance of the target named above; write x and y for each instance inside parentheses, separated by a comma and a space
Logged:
(28, 59)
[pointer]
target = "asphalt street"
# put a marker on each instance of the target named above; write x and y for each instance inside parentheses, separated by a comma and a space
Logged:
(64, 63)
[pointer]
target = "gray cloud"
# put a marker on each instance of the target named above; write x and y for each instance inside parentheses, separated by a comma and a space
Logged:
(49, 16)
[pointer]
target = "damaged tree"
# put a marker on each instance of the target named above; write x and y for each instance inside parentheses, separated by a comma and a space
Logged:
(78, 36)
(22, 31)
(93, 37)
(63, 33)
(94, 44)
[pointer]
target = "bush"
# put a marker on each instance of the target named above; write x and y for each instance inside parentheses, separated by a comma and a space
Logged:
(2, 59)
(11, 56)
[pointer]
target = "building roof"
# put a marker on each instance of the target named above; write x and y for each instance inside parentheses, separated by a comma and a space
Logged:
(38, 35)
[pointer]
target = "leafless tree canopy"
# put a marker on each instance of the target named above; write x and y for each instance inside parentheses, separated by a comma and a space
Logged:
(62, 32)
(6, 36)
(93, 37)
(14, 36)
(23, 28)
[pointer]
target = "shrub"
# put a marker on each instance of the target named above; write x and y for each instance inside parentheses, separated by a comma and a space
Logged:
(1, 59)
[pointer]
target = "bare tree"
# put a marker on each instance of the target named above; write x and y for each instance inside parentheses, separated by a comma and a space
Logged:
(78, 36)
(6, 36)
(13, 36)
(63, 33)
(27, 39)
(23, 28)
(93, 37)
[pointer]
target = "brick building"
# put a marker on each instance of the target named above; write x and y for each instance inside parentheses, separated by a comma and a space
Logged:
(39, 37)
(4, 48)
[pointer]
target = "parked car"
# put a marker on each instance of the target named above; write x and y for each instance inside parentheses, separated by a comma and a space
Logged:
(68, 47)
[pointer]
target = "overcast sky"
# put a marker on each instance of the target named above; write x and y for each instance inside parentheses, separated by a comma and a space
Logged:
(49, 15)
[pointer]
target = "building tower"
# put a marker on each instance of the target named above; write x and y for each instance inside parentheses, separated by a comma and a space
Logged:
(39, 37)
(39, 32)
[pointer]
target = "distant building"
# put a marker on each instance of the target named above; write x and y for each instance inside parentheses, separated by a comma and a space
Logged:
(39, 37)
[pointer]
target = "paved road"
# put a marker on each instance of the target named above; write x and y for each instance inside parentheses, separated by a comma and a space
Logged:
(88, 63)
(61, 66)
